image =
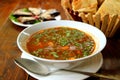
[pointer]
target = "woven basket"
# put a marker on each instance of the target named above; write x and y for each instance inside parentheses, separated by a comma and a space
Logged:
(107, 24)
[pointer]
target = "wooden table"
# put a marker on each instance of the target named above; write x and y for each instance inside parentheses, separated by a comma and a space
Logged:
(9, 50)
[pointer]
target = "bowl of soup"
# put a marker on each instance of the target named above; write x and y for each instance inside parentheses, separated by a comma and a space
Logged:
(61, 44)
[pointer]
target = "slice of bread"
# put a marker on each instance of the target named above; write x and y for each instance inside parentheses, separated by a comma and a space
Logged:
(85, 6)
(111, 7)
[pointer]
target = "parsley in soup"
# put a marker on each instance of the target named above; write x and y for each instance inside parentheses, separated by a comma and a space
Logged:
(60, 43)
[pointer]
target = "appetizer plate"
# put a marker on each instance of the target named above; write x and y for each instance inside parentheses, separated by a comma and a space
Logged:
(28, 25)
(43, 12)
(91, 65)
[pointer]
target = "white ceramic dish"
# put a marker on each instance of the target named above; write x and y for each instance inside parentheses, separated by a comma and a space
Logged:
(91, 65)
(97, 35)
(28, 25)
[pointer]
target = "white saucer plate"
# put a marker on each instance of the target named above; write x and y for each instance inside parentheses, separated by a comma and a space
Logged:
(91, 65)
(28, 25)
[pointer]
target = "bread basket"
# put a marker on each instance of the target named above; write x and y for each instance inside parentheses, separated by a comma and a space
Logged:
(107, 24)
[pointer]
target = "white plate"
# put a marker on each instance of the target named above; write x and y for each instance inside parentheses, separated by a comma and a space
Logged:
(28, 25)
(91, 65)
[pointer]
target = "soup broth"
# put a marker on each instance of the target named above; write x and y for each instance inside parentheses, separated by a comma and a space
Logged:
(60, 43)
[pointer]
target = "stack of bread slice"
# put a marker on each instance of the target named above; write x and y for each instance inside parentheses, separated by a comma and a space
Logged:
(103, 14)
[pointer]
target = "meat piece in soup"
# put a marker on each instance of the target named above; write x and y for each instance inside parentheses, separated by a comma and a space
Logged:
(60, 43)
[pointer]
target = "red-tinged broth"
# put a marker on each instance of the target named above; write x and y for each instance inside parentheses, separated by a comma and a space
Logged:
(60, 43)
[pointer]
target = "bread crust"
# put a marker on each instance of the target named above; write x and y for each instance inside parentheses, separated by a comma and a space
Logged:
(111, 7)
(85, 6)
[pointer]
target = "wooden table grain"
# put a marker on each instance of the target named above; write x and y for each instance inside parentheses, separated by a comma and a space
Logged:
(9, 50)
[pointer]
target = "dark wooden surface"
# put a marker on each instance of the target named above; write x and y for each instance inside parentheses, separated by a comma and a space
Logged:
(9, 50)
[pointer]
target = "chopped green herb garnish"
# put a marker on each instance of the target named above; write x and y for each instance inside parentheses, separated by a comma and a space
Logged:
(63, 41)
(25, 10)
(54, 54)
(36, 53)
(12, 17)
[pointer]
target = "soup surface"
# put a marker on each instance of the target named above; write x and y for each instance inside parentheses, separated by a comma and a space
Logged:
(60, 43)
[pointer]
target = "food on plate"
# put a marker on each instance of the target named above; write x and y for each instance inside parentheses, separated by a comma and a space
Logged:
(26, 20)
(33, 15)
(22, 12)
(60, 43)
(49, 14)
(35, 11)
(84, 6)
(109, 7)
